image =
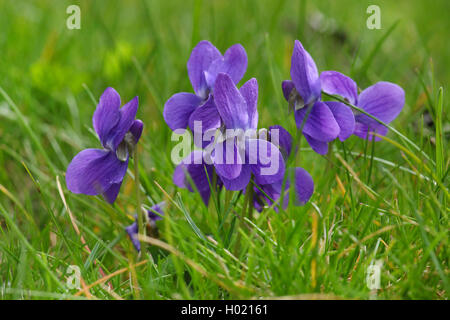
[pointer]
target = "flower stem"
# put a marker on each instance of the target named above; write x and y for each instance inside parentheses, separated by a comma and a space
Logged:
(246, 200)
(250, 200)
(140, 213)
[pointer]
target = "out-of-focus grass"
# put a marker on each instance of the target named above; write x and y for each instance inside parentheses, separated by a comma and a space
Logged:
(372, 201)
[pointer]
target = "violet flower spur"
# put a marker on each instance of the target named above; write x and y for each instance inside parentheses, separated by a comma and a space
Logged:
(268, 194)
(327, 120)
(152, 215)
(241, 154)
(101, 171)
(204, 64)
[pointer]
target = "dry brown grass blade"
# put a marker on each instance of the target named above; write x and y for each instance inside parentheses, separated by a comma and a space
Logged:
(75, 226)
(368, 237)
(367, 190)
(111, 275)
(191, 263)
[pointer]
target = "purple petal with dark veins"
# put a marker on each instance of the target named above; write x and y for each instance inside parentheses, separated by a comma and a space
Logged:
(227, 160)
(240, 182)
(106, 115)
(344, 118)
(94, 171)
(111, 194)
(284, 139)
(320, 123)
(266, 161)
(233, 63)
(127, 116)
(304, 186)
(201, 58)
(304, 74)
(207, 115)
(230, 103)
(365, 131)
(249, 91)
(383, 100)
(320, 147)
(334, 82)
(179, 108)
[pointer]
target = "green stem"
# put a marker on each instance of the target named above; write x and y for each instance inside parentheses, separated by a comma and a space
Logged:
(250, 200)
(248, 192)
(140, 214)
(330, 154)
(245, 210)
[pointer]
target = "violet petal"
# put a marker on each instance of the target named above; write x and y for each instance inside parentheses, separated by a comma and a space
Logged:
(94, 171)
(304, 74)
(287, 86)
(249, 91)
(201, 58)
(230, 103)
(304, 186)
(106, 115)
(227, 160)
(364, 131)
(179, 108)
(266, 161)
(320, 147)
(127, 116)
(136, 130)
(344, 118)
(284, 139)
(383, 100)
(133, 232)
(233, 63)
(240, 182)
(320, 123)
(334, 82)
(111, 194)
(207, 115)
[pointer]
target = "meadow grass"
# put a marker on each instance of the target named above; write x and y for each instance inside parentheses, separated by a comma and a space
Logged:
(383, 202)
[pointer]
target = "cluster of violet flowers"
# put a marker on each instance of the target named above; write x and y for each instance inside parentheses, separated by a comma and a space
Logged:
(323, 121)
(232, 153)
(220, 108)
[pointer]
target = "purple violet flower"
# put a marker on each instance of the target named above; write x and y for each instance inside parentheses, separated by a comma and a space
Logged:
(101, 171)
(248, 153)
(204, 64)
(327, 120)
(151, 216)
(268, 194)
